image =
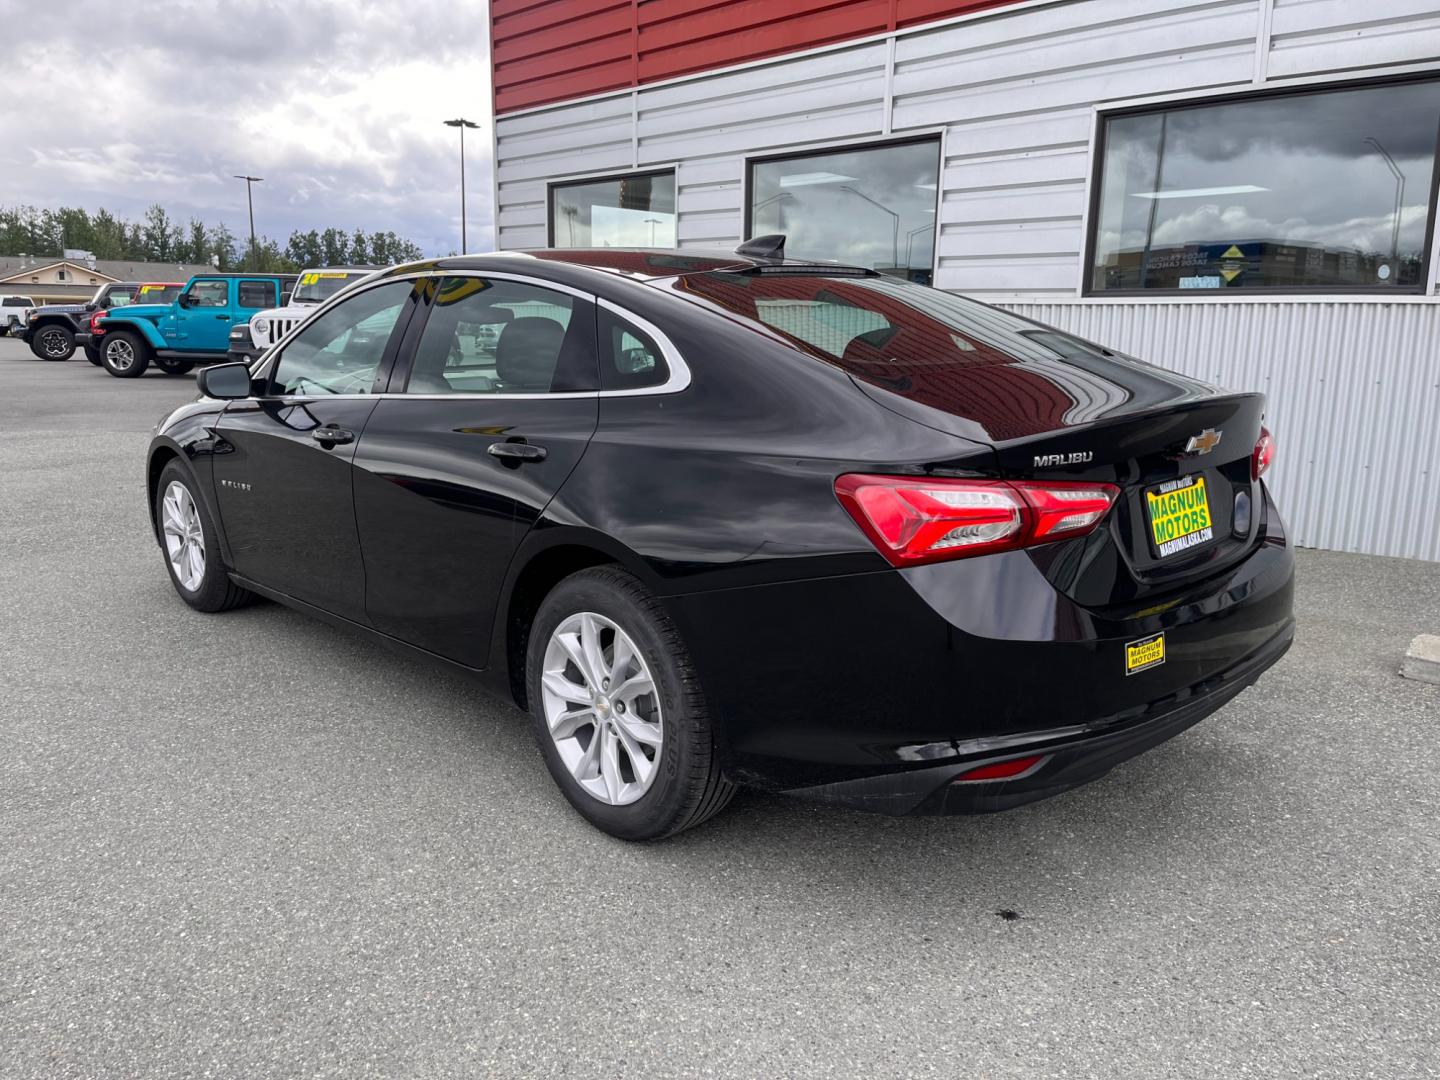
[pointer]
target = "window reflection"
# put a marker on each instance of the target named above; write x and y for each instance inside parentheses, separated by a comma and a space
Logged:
(1318, 189)
(636, 210)
(870, 206)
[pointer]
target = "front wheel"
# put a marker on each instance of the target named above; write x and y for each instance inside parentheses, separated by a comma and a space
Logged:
(53, 343)
(191, 546)
(93, 355)
(618, 709)
(171, 366)
(124, 354)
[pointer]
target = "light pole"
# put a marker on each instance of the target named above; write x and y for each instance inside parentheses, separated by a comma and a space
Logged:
(652, 222)
(895, 231)
(249, 199)
(461, 123)
(1399, 204)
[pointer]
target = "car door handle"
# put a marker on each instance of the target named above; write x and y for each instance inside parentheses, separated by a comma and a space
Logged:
(516, 452)
(332, 436)
(223, 318)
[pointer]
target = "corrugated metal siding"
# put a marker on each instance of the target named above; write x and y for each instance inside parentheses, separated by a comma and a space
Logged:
(556, 50)
(1354, 402)
(1309, 36)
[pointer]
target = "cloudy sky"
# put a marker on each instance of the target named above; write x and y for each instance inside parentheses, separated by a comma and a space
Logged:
(337, 105)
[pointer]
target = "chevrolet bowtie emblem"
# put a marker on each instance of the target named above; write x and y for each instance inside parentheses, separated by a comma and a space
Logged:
(1203, 443)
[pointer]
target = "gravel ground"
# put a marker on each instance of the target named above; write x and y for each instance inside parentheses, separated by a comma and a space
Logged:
(251, 845)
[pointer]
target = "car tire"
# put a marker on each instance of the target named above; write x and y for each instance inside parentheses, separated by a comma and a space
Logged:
(124, 354)
(171, 366)
(605, 612)
(53, 343)
(93, 355)
(191, 546)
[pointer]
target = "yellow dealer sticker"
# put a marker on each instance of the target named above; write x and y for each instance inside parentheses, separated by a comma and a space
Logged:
(1179, 515)
(316, 275)
(1146, 653)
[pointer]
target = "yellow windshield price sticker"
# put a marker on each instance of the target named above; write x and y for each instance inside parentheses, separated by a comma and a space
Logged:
(316, 275)
(1179, 515)
(1146, 653)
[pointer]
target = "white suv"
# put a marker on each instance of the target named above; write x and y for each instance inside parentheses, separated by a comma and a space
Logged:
(14, 312)
(269, 326)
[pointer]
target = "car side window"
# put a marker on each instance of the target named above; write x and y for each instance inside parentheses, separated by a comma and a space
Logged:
(491, 336)
(630, 359)
(257, 294)
(210, 294)
(340, 352)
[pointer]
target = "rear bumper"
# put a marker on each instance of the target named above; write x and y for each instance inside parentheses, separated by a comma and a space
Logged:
(1070, 758)
(878, 690)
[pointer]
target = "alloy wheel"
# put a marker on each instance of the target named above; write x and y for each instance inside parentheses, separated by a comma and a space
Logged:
(53, 343)
(601, 708)
(184, 537)
(120, 353)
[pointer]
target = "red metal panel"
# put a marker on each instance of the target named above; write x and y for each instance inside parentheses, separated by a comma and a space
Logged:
(554, 50)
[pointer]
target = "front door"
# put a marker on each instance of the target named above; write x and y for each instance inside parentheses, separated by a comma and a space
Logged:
(283, 464)
(203, 320)
(493, 412)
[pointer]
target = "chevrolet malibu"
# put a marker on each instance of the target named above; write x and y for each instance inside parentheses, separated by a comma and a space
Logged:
(735, 519)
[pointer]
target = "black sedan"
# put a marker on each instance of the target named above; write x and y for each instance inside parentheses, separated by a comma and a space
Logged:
(730, 519)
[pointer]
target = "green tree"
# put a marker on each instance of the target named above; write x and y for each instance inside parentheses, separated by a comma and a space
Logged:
(222, 245)
(108, 235)
(304, 248)
(161, 235)
(75, 228)
(334, 248)
(359, 248)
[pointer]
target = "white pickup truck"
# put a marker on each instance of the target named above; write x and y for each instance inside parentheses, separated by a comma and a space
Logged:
(14, 313)
(249, 340)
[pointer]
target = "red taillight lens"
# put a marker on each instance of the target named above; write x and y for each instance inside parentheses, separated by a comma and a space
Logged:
(1001, 770)
(1263, 454)
(914, 520)
(95, 320)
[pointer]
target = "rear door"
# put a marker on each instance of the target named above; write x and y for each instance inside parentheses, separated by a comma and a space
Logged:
(283, 462)
(481, 427)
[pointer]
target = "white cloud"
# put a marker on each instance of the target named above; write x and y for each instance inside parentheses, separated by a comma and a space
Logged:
(338, 105)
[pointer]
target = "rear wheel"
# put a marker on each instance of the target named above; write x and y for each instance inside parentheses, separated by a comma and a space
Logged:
(53, 343)
(124, 354)
(191, 546)
(92, 353)
(618, 709)
(171, 366)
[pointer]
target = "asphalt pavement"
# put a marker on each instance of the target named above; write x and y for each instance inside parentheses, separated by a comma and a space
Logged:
(251, 845)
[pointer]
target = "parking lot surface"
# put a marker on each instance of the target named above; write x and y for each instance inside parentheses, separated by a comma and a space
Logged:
(252, 845)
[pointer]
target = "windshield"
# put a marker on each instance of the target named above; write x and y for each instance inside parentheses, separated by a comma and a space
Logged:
(317, 285)
(157, 294)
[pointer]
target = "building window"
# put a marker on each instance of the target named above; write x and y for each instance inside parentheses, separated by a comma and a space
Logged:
(1322, 189)
(634, 210)
(866, 206)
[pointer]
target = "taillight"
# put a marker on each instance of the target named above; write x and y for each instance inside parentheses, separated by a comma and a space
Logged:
(1263, 454)
(95, 320)
(913, 520)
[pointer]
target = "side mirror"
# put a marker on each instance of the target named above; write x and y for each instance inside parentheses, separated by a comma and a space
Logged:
(183, 299)
(228, 382)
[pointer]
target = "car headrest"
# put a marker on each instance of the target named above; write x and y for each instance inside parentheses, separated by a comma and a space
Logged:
(526, 354)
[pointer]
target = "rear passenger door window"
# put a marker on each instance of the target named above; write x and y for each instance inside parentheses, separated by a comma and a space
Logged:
(257, 295)
(497, 336)
(630, 358)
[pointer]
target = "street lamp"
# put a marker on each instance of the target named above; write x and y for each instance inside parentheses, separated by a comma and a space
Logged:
(250, 180)
(652, 222)
(461, 123)
(1399, 204)
(895, 231)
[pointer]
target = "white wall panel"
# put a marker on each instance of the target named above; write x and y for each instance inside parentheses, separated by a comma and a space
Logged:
(1308, 36)
(1353, 399)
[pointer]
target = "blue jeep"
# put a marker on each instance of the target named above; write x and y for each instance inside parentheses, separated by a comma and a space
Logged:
(193, 329)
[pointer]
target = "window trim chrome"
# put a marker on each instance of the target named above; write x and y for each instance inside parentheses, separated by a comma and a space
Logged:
(679, 371)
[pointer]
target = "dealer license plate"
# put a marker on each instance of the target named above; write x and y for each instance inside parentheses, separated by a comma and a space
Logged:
(1179, 515)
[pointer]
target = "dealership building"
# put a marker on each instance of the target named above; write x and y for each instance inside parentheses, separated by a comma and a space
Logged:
(1242, 190)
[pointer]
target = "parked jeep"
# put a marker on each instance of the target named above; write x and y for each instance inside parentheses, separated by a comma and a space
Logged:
(149, 292)
(194, 329)
(247, 341)
(52, 329)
